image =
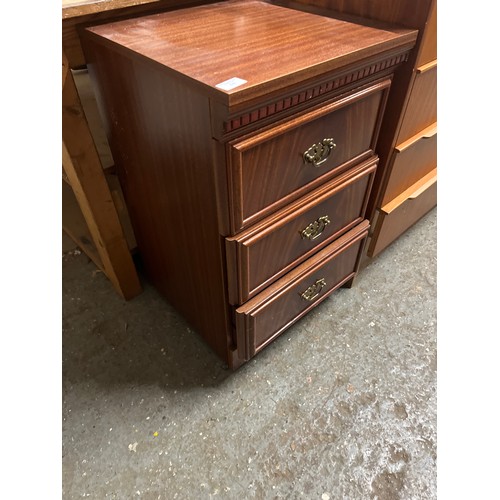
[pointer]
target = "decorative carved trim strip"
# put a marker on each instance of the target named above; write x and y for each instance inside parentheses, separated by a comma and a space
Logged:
(305, 95)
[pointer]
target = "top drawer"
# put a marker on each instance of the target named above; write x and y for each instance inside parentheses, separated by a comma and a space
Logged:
(274, 167)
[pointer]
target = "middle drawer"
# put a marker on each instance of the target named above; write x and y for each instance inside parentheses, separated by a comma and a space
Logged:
(266, 251)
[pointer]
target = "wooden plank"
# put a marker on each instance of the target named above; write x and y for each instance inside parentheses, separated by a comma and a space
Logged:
(65, 68)
(89, 104)
(91, 110)
(73, 223)
(121, 209)
(85, 174)
(75, 226)
(78, 8)
(64, 176)
(94, 12)
(119, 201)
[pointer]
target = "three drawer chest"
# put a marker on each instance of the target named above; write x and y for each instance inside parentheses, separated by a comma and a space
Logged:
(244, 138)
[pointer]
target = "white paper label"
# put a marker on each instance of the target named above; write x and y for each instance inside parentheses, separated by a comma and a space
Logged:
(230, 84)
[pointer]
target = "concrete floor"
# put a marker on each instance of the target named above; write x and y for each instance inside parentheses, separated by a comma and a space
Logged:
(341, 406)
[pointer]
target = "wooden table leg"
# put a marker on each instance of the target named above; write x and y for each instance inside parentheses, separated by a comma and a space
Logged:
(85, 174)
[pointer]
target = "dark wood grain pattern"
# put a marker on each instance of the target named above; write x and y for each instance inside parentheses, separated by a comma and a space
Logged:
(276, 155)
(268, 314)
(189, 183)
(245, 39)
(410, 13)
(322, 88)
(271, 248)
(164, 166)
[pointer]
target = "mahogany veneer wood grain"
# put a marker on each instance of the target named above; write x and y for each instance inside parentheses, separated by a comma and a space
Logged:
(197, 162)
(245, 39)
(168, 183)
(271, 248)
(276, 155)
(264, 317)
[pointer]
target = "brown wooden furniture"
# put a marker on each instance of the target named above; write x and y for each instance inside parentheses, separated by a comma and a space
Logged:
(89, 212)
(407, 187)
(402, 191)
(245, 148)
(94, 213)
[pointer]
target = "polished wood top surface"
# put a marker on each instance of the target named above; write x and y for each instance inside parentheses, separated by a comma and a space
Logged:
(268, 46)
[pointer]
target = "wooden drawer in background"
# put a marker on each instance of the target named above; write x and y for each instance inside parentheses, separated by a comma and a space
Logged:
(269, 249)
(411, 161)
(402, 212)
(267, 170)
(421, 111)
(264, 317)
(428, 47)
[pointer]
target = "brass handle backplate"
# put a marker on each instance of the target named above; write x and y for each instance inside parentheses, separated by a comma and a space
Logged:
(318, 153)
(314, 290)
(314, 229)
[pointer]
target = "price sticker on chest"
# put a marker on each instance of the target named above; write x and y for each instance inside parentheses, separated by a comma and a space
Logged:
(231, 84)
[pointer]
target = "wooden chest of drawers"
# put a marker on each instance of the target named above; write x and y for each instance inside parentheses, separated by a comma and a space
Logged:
(244, 138)
(407, 182)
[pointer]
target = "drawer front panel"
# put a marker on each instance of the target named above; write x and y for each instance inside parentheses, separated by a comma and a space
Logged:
(271, 248)
(412, 161)
(396, 217)
(428, 48)
(421, 111)
(274, 167)
(268, 314)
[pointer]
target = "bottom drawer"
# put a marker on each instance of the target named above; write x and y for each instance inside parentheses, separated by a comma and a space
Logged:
(401, 213)
(268, 314)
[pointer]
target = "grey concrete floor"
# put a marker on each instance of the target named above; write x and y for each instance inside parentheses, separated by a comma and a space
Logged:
(341, 406)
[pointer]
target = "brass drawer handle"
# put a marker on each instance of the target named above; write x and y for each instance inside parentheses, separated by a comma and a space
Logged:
(314, 290)
(314, 229)
(319, 153)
